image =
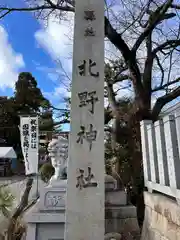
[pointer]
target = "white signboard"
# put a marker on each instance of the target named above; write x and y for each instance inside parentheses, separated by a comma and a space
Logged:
(29, 143)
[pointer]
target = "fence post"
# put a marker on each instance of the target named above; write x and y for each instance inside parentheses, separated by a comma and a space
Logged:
(177, 119)
(153, 153)
(172, 151)
(145, 150)
(161, 153)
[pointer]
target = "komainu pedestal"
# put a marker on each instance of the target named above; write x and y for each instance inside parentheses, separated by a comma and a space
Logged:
(119, 216)
(46, 219)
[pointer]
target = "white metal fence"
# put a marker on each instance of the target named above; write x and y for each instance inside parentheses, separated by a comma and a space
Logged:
(161, 154)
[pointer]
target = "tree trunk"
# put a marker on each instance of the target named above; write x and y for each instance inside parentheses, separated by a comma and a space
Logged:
(137, 166)
(19, 210)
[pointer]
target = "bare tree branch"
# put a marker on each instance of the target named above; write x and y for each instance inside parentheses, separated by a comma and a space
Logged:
(170, 68)
(51, 3)
(128, 56)
(147, 75)
(176, 6)
(162, 101)
(145, 10)
(161, 69)
(166, 45)
(6, 10)
(71, 2)
(60, 109)
(121, 78)
(112, 99)
(64, 121)
(163, 87)
(154, 19)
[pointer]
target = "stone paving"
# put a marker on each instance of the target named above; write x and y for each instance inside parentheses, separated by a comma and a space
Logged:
(9, 180)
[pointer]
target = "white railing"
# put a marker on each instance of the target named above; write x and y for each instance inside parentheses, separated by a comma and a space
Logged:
(161, 154)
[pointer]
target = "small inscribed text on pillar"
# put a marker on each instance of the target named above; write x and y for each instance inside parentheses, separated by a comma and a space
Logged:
(89, 15)
(89, 32)
(85, 181)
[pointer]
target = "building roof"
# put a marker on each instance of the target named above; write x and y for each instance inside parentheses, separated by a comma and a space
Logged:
(7, 152)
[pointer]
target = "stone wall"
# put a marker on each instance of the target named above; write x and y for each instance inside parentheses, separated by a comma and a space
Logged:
(162, 218)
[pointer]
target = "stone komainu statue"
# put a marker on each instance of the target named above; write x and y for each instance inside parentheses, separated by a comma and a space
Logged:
(58, 152)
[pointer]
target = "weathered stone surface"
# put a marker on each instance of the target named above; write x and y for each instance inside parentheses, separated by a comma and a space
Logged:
(110, 183)
(120, 217)
(86, 170)
(116, 197)
(53, 196)
(166, 206)
(162, 218)
(44, 224)
(121, 225)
